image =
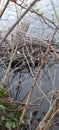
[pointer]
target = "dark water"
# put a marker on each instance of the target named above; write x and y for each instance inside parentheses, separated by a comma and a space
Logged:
(48, 81)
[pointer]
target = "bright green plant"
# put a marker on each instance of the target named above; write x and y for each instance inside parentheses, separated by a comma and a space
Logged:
(9, 112)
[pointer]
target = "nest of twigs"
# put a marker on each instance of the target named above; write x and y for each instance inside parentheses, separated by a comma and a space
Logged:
(28, 53)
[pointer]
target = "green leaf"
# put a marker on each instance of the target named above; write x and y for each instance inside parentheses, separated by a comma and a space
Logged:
(7, 105)
(18, 113)
(2, 107)
(4, 93)
(11, 117)
(10, 124)
(14, 125)
(42, 13)
(2, 118)
(37, 10)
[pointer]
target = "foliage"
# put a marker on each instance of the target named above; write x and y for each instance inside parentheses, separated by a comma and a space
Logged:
(9, 112)
(38, 11)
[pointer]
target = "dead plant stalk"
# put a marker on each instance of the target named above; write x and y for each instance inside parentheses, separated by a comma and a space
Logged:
(18, 20)
(36, 79)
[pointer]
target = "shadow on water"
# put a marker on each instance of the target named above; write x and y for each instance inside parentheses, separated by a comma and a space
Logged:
(48, 81)
(20, 83)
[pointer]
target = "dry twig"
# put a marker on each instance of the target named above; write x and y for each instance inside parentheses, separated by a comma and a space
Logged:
(36, 78)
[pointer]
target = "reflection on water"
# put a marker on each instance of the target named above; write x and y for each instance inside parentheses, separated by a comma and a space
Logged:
(10, 14)
(20, 83)
(48, 81)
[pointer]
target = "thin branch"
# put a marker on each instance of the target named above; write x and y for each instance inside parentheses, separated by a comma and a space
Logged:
(47, 116)
(55, 12)
(36, 78)
(4, 8)
(18, 20)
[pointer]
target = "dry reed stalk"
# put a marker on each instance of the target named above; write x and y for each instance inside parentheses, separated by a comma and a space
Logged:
(36, 79)
(18, 102)
(14, 45)
(43, 123)
(18, 20)
(50, 122)
(52, 109)
(6, 77)
(30, 69)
